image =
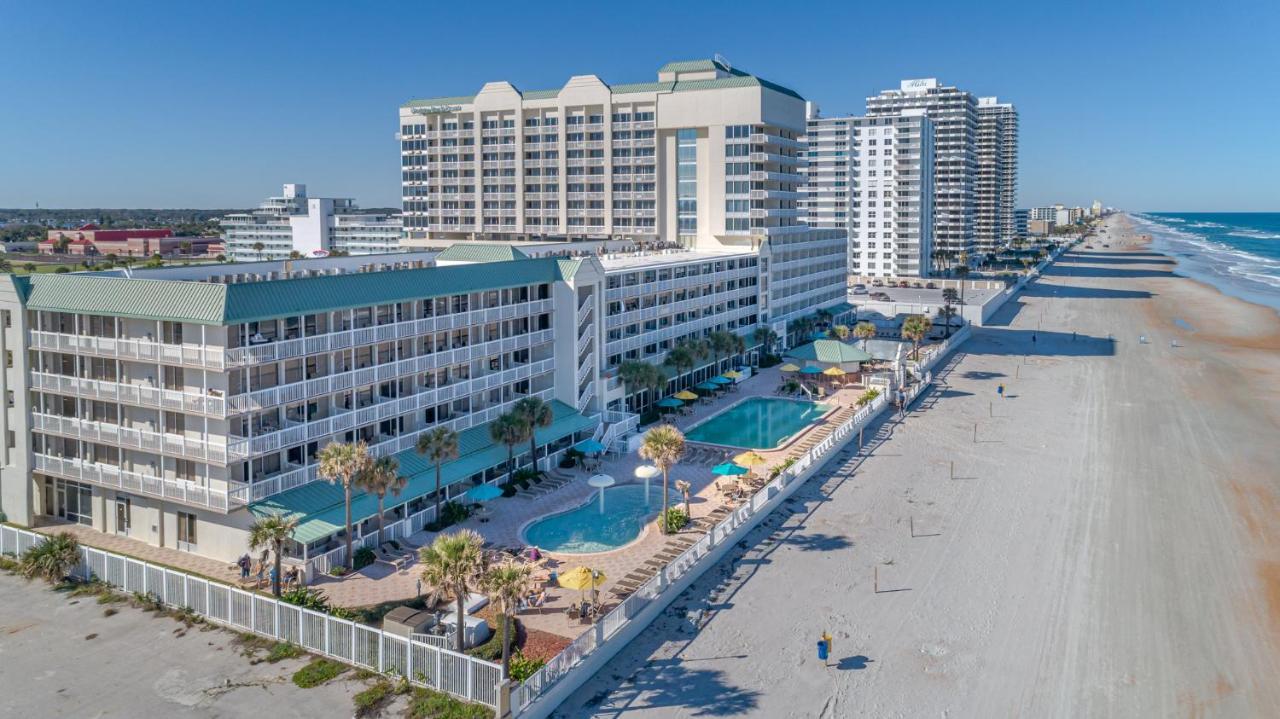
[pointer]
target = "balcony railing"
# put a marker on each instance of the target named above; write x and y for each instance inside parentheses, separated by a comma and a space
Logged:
(284, 349)
(142, 396)
(131, 349)
(111, 476)
(299, 391)
(132, 438)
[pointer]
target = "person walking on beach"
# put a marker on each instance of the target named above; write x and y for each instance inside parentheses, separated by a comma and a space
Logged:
(902, 402)
(1000, 390)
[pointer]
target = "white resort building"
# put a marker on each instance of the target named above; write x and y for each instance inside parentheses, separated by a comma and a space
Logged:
(873, 176)
(295, 225)
(707, 159)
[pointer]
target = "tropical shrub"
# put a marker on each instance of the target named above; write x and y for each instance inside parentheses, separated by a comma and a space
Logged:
(491, 650)
(364, 557)
(676, 519)
(866, 397)
(53, 559)
(523, 667)
(450, 514)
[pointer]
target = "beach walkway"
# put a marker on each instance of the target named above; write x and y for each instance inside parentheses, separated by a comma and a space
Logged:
(1103, 541)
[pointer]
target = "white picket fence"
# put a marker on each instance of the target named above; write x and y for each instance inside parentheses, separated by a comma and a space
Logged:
(423, 663)
(699, 557)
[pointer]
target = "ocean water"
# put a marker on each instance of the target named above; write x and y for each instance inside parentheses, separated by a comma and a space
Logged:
(1237, 252)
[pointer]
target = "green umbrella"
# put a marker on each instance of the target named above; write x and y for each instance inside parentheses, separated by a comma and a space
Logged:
(670, 402)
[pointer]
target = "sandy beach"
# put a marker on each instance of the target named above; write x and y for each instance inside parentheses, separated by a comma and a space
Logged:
(1109, 545)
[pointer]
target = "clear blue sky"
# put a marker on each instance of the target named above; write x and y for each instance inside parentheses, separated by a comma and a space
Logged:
(1158, 106)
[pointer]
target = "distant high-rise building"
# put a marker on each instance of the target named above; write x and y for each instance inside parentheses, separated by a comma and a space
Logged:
(873, 176)
(1096, 209)
(827, 197)
(995, 191)
(954, 114)
(1021, 220)
(309, 226)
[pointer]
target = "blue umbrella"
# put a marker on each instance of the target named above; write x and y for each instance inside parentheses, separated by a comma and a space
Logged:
(589, 446)
(705, 386)
(811, 370)
(729, 469)
(818, 336)
(483, 493)
(720, 380)
(670, 402)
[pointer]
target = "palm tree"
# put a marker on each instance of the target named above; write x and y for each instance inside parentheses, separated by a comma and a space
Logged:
(914, 328)
(765, 337)
(639, 376)
(841, 332)
(440, 445)
(664, 446)
(272, 530)
(534, 412)
(506, 584)
(452, 566)
(681, 358)
(342, 463)
(509, 430)
(949, 297)
(53, 559)
(383, 476)
(864, 331)
(684, 488)
(259, 247)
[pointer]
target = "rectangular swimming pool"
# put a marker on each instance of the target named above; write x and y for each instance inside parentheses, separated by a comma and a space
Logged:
(757, 422)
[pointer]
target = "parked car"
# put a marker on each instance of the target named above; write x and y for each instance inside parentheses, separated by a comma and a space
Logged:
(859, 289)
(917, 285)
(877, 283)
(930, 286)
(904, 284)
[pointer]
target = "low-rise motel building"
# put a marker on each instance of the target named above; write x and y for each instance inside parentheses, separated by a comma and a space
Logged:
(174, 406)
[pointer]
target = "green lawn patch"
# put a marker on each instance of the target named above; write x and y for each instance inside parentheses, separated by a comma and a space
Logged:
(317, 672)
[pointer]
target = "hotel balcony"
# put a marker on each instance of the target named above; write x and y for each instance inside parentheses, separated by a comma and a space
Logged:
(108, 475)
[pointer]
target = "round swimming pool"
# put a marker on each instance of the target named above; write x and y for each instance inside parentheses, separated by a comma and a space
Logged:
(586, 529)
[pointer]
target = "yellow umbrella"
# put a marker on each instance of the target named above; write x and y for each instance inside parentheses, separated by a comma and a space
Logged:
(749, 459)
(788, 367)
(833, 372)
(581, 578)
(733, 374)
(686, 395)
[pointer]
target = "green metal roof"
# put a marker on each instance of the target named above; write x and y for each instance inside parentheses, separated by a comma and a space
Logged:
(198, 302)
(693, 66)
(319, 505)
(828, 351)
(480, 252)
(216, 304)
(738, 79)
(456, 100)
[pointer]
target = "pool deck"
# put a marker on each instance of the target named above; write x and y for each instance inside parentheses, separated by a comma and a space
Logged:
(381, 582)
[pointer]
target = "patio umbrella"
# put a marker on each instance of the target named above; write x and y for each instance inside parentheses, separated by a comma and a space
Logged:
(733, 374)
(705, 386)
(483, 493)
(834, 372)
(669, 403)
(647, 472)
(720, 380)
(788, 367)
(601, 481)
(749, 459)
(811, 369)
(729, 469)
(685, 395)
(582, 579)
(589, 446)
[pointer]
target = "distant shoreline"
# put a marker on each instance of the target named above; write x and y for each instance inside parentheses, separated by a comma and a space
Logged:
(1200, 264)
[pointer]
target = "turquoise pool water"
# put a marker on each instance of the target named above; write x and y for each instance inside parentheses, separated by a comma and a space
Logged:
(585, 529)
(757, 423)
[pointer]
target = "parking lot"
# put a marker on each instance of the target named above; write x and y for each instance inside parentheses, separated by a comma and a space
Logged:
(930, 298)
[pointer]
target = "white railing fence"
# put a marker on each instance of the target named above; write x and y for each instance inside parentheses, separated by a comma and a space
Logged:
(702, 554)
(423, 663)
